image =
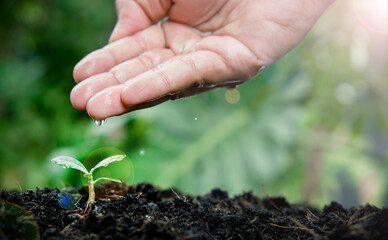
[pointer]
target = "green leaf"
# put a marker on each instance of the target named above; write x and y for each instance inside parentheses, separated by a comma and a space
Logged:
(107, 161)
(69, 162)
(105, 178)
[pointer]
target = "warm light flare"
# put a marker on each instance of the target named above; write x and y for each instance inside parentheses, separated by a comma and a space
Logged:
(373, 14)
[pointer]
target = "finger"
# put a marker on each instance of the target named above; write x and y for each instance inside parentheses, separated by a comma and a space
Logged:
(181, 72)
(134, 16)
(106, 103)
(116, 109)
(83, 91)
(110, 104)
(180, 37)
(201, 68)
(140, 64)
(115, 53)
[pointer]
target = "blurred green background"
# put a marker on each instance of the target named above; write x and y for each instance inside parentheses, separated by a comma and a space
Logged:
(312, 127)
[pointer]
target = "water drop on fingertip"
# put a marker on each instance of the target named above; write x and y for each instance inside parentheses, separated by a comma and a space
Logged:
(99, 122)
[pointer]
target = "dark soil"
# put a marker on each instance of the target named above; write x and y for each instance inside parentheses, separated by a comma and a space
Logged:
(145, 212)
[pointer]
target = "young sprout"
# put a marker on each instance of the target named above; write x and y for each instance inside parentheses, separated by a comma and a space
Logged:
(69, 162)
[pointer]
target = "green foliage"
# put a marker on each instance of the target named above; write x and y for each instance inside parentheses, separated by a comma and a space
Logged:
(312, 127)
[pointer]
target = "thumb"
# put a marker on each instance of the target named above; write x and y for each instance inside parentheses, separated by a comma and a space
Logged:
(135, 15)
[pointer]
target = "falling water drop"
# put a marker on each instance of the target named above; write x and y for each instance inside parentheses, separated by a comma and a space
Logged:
(195, 118)
(99, 122)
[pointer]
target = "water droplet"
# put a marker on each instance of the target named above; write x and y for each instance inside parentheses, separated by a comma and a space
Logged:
(99, 122)
(195, 118)
(66, 166)
(142, 152)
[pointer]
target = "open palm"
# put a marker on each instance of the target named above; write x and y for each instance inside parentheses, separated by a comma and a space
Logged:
(200, 46)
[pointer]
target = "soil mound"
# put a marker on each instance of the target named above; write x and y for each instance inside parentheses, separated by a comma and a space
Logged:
(145, 212)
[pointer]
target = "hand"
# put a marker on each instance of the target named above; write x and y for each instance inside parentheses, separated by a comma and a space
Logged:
(200, 46)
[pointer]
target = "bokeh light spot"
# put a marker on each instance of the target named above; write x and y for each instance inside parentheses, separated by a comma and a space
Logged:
(359, 55)
(103, 172)
(141, 152)
(232, 96)
(122, 170)
(345, 93)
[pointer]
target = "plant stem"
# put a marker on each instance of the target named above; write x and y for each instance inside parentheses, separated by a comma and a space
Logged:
(91, 189)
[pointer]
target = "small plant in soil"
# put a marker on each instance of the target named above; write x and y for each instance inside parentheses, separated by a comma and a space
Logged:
(69, 162)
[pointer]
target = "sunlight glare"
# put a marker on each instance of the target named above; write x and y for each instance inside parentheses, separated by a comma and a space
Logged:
(372, 14)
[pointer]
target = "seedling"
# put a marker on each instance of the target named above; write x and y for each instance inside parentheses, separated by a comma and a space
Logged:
(69, 162)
